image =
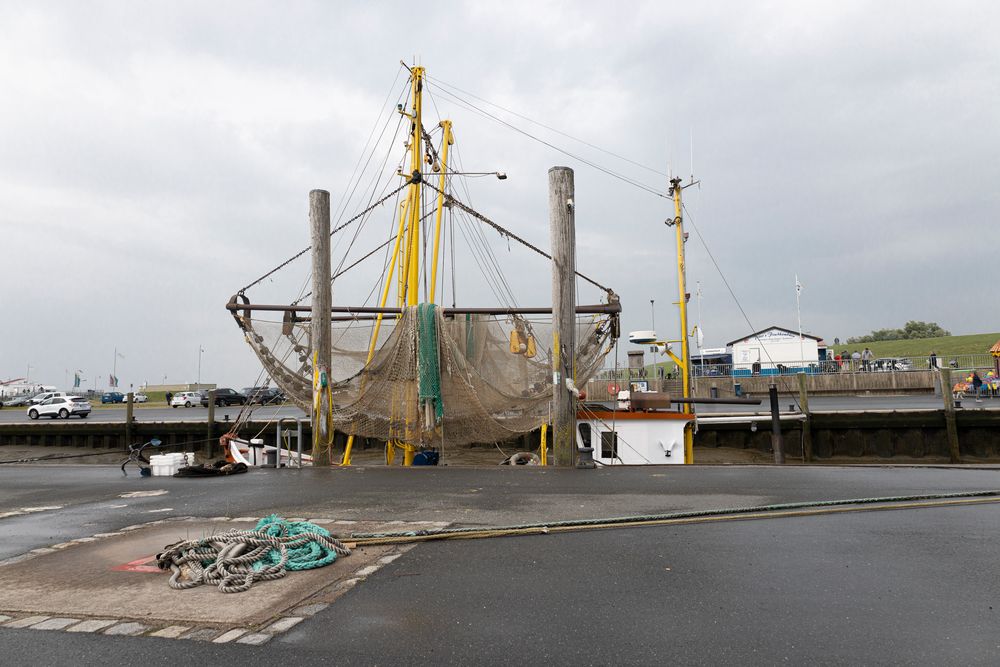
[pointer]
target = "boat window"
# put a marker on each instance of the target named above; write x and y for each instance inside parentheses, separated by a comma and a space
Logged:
(585, 434)
(609, 444)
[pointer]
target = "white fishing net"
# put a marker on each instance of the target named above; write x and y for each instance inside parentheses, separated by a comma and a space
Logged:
(493, 379)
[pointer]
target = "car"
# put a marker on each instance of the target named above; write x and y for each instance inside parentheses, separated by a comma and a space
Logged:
(112, 397)
(185, 399)
(16, 401)
(888, 364)
(263, 395)
(35, 400)
(139, 397)
(61, 406)
(225, 396)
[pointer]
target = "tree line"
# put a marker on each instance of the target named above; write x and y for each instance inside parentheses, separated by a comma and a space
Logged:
(912, 329)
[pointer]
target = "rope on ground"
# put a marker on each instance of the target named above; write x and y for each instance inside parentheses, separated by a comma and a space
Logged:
(724, 514)
(235, 560)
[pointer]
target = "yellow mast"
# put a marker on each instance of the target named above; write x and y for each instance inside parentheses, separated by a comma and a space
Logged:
(684, 363)
(416, 164)
(408, 254)
(446, 141)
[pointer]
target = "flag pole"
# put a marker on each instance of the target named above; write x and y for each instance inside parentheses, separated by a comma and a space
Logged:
(798, 312)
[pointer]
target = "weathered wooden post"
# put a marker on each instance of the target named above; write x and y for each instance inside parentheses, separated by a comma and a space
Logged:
(951, 427)
(320, 337)
(129, 419)
(563, 238)
(211, 422)
(807, 438)
(777, 442)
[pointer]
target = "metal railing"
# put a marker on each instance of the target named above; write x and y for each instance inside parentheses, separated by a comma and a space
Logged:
(963, 362)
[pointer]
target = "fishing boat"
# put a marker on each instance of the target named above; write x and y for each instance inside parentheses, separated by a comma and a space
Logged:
(404, 369)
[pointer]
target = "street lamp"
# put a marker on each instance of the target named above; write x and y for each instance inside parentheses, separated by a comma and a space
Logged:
(201, 350)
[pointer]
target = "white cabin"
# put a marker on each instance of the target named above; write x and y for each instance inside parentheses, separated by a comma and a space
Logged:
(633, 438)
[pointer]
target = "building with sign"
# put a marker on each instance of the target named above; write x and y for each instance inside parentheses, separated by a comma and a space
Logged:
(773, 351)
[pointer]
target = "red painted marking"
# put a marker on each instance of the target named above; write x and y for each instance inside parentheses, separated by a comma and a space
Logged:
(144, 564)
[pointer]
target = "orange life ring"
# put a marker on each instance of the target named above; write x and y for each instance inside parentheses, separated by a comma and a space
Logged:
(613, 388)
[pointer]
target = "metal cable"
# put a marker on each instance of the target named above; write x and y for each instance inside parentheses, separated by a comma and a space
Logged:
(450, 200)
(337, 229)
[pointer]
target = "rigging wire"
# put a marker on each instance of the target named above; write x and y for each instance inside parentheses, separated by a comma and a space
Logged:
(486, 251)
(507, 233)
(512, 300)
(547, 127)
(335, 230)
(590, 163)
(345, 198)
(783, 379)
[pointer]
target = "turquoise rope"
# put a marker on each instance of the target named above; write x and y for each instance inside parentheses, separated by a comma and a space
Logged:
(307, 557)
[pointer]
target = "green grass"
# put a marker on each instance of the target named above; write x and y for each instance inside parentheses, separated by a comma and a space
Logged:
(945, 346)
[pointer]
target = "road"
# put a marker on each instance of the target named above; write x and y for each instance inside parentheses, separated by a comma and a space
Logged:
(918, 586)
(142, 413)
(816, 404)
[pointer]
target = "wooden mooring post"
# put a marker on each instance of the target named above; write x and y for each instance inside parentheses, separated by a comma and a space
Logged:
(320, 336)
(777, 441)
(807, 440)
(563, 238)
(954, 453)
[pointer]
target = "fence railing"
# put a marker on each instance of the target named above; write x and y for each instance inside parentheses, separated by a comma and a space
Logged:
(964, 362)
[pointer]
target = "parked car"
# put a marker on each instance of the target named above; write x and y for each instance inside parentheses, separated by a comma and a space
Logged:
(112, 397)
(263, 395)
(887, 364)
(16, 401)
(61, 407)
(139, 397)
(185, 399)
(35, 400)
(225, 396)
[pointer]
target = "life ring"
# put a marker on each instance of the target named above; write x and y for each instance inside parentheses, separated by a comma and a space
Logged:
(613, 388)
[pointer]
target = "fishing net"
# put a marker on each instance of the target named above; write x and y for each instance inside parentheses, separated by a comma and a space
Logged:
(431, 379)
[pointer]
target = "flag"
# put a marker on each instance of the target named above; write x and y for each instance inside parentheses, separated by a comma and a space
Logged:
(112, 381)
(798, 285)
(76, 380)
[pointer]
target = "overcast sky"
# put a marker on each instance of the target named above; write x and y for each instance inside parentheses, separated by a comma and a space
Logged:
(156, 157)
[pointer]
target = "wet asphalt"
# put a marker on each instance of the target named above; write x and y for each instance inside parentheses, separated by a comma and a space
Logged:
(914, 586)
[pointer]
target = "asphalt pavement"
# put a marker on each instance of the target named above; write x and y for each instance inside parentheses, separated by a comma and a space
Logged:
(915, 586)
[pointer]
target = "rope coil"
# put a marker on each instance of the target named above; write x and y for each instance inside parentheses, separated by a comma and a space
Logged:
(233, 561)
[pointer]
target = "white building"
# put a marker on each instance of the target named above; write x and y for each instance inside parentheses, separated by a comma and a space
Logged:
(774, 350)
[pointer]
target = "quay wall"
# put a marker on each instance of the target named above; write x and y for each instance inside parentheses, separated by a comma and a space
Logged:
(840, 437)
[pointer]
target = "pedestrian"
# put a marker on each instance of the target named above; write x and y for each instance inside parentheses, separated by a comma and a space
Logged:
(855, 360)
(169, 396)
(977, 386)
(866, 359)
(932, 361)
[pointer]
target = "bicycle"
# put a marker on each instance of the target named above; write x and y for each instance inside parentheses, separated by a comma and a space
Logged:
(136, 456)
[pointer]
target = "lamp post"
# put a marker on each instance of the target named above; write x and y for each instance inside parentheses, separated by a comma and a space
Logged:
(201, 350)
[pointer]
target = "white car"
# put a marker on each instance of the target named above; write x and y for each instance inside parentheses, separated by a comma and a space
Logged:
(35, 400)
(185, 399)
(139, 397)
(61, 407)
